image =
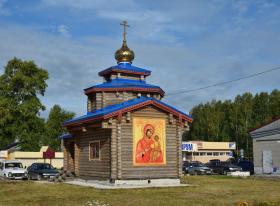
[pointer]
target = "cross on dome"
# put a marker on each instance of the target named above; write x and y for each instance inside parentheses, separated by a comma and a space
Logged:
(124, 54)
(125, 25)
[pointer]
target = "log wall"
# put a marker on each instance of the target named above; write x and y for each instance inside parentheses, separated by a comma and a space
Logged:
(124, 149)
(84, 167)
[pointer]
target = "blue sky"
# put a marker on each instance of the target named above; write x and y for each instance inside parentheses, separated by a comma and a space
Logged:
(186, 44)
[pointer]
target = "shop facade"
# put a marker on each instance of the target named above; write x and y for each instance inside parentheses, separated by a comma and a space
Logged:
(204, 151)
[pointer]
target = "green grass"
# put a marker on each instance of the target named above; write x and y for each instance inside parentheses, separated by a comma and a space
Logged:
(210, 190)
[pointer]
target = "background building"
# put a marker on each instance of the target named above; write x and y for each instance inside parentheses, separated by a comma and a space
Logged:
(28, 158)
(266, 147)
(205, 151)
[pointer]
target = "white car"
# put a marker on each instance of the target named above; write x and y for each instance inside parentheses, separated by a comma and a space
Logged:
(12, 169)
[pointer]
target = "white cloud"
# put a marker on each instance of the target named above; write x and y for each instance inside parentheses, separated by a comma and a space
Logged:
(63, 30)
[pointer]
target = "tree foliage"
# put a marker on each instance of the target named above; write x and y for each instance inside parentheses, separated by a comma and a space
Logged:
(231, 120)
(21, 84)
(53, 126)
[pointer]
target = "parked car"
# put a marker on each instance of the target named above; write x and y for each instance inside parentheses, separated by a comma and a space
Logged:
(185, 167)
(12, 169)
(41, 171)
(197, 168)
(221, 167)
(246, 165)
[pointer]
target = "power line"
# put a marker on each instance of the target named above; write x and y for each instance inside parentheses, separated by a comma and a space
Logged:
(223, 83)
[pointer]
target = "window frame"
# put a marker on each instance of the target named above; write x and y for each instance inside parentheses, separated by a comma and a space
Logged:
(90, 150)
(209, 154)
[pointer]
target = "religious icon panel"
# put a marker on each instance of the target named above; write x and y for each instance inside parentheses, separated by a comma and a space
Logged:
(149, 142)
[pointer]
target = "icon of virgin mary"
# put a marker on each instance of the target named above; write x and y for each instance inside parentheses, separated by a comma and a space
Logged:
(143, 148)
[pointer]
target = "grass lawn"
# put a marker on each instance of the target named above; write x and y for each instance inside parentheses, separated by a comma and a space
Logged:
(211, 190)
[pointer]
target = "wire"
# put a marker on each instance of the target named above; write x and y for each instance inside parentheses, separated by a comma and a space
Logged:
(223, 83)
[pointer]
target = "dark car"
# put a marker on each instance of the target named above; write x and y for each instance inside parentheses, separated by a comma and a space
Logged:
(247, 166)
(196, 168)
(224, 168)
(41, 171)
(185, 167)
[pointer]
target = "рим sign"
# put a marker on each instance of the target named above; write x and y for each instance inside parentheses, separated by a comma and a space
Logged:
(189, 147)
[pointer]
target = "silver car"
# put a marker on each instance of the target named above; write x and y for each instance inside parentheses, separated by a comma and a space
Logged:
(197, 168)
(12, 169)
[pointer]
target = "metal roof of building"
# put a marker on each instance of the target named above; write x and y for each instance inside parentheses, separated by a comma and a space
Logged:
(130, 104)
(123, 83)
(267, 129)
(125, 67)
(65, 136)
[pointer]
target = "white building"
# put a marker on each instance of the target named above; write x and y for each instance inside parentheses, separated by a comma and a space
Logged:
(205, 151)
(266, 147)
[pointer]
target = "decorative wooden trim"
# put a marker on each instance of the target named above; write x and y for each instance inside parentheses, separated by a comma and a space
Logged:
(171, 119)
(77, 148)
(113, 149)
(103, 101)
(119, 117)
(110, 121)
(179, 150)
(187, 126)
(84, 129)
(89, 151)
(119, 152)
(128, 116)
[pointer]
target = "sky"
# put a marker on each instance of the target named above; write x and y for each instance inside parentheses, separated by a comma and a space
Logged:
(186, 44)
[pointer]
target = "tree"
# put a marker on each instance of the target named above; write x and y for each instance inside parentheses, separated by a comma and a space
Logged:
(231, 120)
(274, 103)
(21, 84)
(53, 126)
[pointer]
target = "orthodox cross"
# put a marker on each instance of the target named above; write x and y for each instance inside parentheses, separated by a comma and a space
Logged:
(124, 24)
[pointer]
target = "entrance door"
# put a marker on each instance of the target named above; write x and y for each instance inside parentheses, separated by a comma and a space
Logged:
(71, 156)
(267, 161)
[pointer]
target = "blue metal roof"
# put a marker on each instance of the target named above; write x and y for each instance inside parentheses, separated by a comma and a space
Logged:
(120, 106)
(125, 66)
(65, 136)
(124, 83)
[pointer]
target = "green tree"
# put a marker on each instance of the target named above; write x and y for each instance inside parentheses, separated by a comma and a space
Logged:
(274, 103)
(54, 127)
(21, 84)
(231, 120)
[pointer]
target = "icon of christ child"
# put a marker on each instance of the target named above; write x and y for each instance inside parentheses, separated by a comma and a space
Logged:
(156, 153)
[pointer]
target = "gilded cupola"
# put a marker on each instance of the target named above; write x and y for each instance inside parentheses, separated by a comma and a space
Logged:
(124, 54)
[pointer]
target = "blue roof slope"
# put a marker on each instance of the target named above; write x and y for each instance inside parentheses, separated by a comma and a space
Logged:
(65, 136)
(126, 66)
(116, 107)
(122, 83)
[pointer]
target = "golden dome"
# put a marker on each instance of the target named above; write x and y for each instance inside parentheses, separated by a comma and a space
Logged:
(124, 54)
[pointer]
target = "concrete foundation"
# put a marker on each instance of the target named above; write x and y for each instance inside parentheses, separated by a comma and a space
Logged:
(128, 184)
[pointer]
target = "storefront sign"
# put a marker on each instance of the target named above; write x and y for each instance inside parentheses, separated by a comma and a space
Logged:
(49, 154)
(189, 147)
